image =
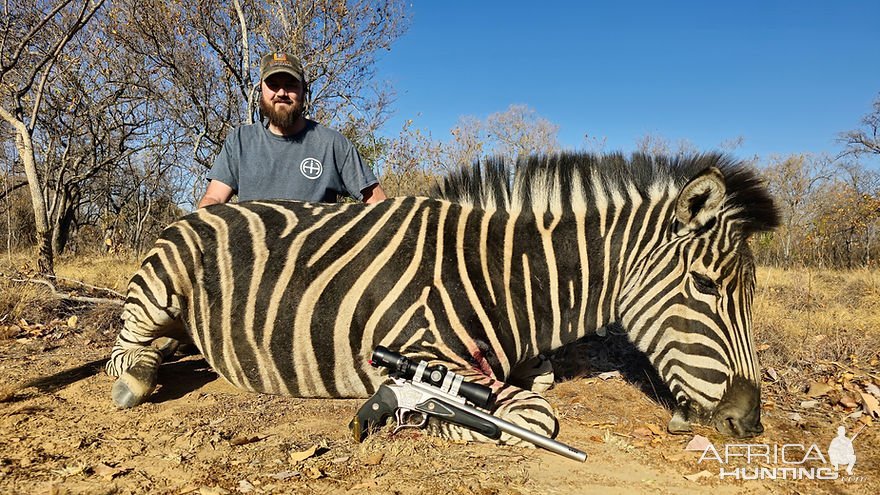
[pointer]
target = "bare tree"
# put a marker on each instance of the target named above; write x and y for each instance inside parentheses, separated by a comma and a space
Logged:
(33, 37)
(794, 180)
(848, 216)
(655, 145)
(468, 142)
(411, 163)
(865, 140)
(519, 130)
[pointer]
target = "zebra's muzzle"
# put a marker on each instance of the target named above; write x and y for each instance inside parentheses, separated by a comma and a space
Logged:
(739, 412)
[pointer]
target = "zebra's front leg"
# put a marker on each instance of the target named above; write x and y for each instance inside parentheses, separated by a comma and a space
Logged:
(524, 408)
(136, 379)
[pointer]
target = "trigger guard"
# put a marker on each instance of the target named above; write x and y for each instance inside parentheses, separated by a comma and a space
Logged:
(401, 417)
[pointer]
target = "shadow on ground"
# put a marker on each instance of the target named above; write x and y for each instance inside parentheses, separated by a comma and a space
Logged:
(595, 354)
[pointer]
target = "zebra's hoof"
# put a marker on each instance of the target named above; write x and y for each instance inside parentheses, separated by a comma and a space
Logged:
(133, 387)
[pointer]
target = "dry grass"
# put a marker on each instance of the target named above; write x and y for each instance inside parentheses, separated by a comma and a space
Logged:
(35, 304)
(810, 323)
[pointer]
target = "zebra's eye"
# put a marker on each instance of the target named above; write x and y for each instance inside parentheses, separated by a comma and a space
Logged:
(705, 284)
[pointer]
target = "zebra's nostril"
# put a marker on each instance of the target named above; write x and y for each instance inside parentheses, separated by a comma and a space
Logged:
(733, 425)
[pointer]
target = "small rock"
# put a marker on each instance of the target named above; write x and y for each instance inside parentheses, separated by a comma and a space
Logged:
(698, 476)
(809, 404)
(609, 375)
(283, 475)
(698, 443)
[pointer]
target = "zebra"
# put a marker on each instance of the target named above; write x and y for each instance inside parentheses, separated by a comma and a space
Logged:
(507, 262)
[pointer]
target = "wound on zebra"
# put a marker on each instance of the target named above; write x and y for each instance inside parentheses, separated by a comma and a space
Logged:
(504, 262)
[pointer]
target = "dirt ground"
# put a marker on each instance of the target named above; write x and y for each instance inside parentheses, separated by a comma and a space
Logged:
(59, 433)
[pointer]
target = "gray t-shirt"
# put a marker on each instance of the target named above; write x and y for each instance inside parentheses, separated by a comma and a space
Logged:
(316, 164)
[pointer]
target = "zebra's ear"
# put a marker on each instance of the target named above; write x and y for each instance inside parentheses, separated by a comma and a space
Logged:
(700, 200)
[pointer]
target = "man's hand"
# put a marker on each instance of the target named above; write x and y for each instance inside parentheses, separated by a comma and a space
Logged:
(373, 194)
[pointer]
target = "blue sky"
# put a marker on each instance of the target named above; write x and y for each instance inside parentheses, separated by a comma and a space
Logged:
(786, 76)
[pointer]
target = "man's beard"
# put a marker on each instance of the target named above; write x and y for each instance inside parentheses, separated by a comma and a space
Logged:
(284, 119)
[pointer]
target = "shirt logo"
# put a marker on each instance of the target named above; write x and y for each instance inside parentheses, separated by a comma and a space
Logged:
(311, 168)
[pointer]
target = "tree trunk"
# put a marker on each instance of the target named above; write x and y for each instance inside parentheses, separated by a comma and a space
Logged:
(25, 145)
(62, 228)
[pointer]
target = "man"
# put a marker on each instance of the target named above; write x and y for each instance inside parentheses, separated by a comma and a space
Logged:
(290, 157)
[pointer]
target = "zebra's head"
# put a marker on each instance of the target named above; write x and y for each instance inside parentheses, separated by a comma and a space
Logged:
(687, 302)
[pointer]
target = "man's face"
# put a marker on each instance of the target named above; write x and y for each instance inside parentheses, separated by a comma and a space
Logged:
(282, 100)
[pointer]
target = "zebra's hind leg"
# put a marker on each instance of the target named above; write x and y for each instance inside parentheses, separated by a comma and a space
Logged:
(140, 348)
(524, 408)
(137, 382)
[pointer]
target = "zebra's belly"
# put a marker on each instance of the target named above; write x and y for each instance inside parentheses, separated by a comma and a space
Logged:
(269, 373)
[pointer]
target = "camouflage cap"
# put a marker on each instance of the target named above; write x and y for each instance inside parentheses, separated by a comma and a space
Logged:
(275, 63)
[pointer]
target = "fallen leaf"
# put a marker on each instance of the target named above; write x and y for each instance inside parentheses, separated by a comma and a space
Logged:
(762, 347)
(642, 432)
(698, 443)
(305, 454)
(818, 389)
(655, 429)
(314, 473)
(873, 390)
(848, 401)
(698, 476)
(108, 472)
(213, 490)
(245, 486)
(609, 375)
(870, 404)
(283, 475)
(809, 404)
(374, 459)
(771, 372)
(72, 321)
(243, 440)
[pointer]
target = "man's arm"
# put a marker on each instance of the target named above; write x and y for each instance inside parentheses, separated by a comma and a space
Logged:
(216, 193)
(373, 194)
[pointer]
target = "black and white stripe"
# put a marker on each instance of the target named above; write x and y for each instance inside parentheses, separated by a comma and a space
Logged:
(291, 298)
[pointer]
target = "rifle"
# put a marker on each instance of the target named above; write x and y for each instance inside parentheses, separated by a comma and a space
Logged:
(418, 392)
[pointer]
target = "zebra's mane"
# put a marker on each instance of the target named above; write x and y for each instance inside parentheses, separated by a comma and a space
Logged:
(569, 182)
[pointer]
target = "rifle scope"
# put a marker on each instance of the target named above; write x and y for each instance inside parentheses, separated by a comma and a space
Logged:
(401, 366)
